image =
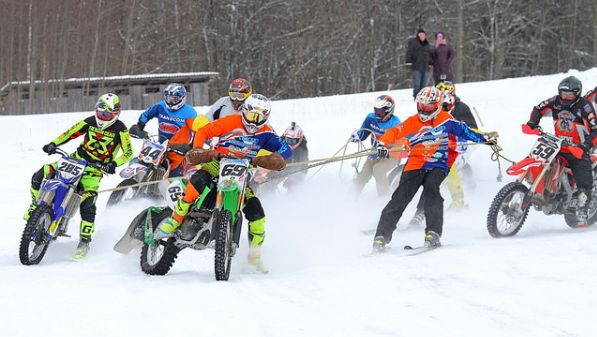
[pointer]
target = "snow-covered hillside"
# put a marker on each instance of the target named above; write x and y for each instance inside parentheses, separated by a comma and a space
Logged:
(539, 283)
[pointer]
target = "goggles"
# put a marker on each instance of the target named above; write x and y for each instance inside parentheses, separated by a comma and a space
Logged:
(237, 96)
(254, 116)
(567, 95)
(104, 114)
(292, 141)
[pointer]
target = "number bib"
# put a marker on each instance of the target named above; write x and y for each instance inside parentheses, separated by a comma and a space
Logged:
(233, 173)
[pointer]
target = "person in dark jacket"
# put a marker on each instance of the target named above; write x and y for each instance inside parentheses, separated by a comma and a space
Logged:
(442, 57)
(418, 56)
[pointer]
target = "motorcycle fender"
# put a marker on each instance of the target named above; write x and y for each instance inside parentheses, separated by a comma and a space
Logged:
(133, 238)
(525, 165)
(132, 170)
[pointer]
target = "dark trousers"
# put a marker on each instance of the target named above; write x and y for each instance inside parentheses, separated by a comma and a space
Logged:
(408, 187)
(582, 171)
(419, 80)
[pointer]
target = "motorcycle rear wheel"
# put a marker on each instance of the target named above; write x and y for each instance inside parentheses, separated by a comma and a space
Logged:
(223, 249)
(506, 214)
(124, 194)
(158, 258)
(34, 241)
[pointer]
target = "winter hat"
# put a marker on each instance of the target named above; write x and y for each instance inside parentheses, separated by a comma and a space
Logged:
(440, 33)
(421, 30)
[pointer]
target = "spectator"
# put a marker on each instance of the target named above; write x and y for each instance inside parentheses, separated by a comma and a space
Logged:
(442, 57)
(418, 56)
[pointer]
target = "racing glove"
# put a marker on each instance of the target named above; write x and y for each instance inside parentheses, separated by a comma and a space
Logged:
(274, 161)
(137, 131)
(355, 138)
(180, 149)
(110, 167)
(49, 148)
(198, 156)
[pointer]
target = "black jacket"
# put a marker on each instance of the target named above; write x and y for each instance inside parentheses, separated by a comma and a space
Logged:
(418, 53)
(462, 112)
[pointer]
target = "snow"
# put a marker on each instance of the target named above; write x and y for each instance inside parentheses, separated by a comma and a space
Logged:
(539, 283)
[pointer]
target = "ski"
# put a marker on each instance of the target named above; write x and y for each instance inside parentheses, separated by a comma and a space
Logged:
(418, 250)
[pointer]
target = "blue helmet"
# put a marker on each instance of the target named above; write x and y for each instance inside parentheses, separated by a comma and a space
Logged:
(175, 96)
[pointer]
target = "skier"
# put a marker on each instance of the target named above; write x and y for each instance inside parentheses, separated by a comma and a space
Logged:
(171, 113)
(295, 175)
(574, 119)
(375, 124)
(461, 112)
(240, 135)
(104, 135)
(428, 133)
(238, 91)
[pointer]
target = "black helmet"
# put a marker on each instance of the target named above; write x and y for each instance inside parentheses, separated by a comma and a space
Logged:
(569, 89)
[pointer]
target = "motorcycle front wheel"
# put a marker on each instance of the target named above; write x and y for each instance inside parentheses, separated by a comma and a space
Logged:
(34, 241)
(506, 214)
(223, 254)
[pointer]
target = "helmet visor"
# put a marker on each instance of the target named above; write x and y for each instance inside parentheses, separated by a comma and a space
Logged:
(292, 141)
(104, 113)
(254, 116)
(567, 95)
(237, 96)
(427, 108)
(172, 100)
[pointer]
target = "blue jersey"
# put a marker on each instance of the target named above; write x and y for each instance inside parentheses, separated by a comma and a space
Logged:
(170, 121)
(372, 125)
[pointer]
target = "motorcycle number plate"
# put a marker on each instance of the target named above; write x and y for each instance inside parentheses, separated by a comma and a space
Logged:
(151, 153)
(233, 171)
(70, 169)
(546, 150)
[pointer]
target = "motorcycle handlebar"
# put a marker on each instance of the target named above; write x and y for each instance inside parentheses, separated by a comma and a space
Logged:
(63, 153)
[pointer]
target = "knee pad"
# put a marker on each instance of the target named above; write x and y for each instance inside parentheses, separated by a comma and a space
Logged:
(87, 207)
(253, 209)
(256, 233)
(200, 179)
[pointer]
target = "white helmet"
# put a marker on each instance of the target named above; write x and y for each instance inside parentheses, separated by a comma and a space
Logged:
(255, 112)
(293, 136)
(429, 103)
(107, 110)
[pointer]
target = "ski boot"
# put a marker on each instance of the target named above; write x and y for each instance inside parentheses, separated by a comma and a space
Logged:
(417, 220)
(379, 244)
(432, 240)
(582, 220)
(82, 249)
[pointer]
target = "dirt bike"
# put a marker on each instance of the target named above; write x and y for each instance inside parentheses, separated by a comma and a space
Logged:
(57, 202)
(151, 164)
(543, 182)
(214, 220)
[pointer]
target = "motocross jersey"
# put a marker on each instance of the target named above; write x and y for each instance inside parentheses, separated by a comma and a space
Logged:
(376, 128)
(235, 140)
(575, 122)
(591, 96)
(221, 108)
(170, 121)
(430, 141)
(99, 146)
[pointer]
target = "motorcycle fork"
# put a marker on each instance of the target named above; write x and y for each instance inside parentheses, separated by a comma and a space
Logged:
(533, 189)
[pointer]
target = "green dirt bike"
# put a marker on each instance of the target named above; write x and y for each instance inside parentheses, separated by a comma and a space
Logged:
(215, 220)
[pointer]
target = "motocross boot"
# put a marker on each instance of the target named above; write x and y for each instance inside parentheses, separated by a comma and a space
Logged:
(254, 261)
(33, 206)
(432, 240)
(168, 226)
(82, 249)
(256, 237)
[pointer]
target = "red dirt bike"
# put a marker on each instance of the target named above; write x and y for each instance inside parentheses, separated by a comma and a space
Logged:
(544, 182)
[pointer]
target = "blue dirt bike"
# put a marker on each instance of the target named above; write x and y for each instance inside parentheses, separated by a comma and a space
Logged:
(57, 202)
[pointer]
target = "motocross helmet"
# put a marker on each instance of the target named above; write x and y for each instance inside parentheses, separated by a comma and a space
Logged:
(446, 86)
(239, 90)
(175, 96)
(429, 103)
(449, 101)
(569, 90)
(293, 136)
(255, 112)
(383, 107)
(107, 110)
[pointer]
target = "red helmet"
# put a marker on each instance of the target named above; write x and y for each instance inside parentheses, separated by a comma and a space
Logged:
(429, 103)
(239, 90)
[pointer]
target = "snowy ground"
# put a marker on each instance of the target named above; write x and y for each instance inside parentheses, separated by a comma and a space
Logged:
(539, 283)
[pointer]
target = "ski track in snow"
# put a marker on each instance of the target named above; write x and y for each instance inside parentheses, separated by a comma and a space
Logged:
(538, 283)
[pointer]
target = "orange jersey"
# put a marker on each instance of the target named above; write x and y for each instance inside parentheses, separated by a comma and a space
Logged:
(431, 142)
(185, 136)
(235, 140)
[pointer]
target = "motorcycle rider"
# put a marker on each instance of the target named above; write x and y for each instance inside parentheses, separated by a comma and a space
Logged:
(171, 113)
(375, 124)
(238, 91)
(574, 119)
(103, 134)
(245, 135)
(591, 96)
(428, 133)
